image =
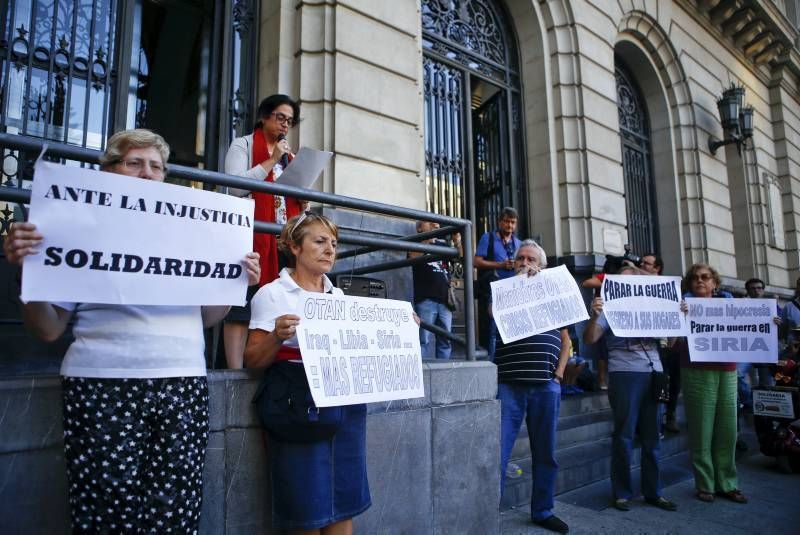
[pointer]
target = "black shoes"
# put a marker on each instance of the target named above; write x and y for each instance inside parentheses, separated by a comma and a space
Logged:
(621, 504)
(672, 423)
(662, 503)
(553, 523)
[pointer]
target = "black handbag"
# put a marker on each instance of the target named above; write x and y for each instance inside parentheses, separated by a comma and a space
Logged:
(659, 387)
(287, 410)
(659, 381)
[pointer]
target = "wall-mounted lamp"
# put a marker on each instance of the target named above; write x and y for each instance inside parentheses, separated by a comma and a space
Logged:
(737, 122)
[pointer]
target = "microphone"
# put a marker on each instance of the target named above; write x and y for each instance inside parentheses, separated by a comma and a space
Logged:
(285, 157)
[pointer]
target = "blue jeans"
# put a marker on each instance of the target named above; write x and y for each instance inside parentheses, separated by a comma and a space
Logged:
(438, 314)
(539, 406)
(763, 378)
(632, 404)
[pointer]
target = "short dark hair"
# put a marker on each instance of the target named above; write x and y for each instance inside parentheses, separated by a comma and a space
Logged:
(658, 262)
(754, 280)
(269, 104)
(508, 213)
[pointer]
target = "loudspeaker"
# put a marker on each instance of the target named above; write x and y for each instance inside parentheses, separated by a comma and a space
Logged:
(361, 286)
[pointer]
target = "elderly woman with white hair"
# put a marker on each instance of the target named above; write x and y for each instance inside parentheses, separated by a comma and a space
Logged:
(529, 375)
(134, 386)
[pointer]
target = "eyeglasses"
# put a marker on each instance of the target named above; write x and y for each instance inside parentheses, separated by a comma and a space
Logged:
(510, 250)
(136, 165)
(283, 119)
(705, 277)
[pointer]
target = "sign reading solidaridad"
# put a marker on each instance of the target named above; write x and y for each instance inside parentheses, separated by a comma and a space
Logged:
(111, 238)
(359, 349)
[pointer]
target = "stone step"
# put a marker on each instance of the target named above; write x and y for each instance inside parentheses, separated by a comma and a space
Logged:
(597, 495)
(579, 465)
(583, 403)
(572, 430)
(580, 427)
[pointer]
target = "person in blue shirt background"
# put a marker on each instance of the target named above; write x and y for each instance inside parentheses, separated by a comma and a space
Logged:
(494, 258)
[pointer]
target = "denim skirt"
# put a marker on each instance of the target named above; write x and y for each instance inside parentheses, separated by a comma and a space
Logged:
(315, 485)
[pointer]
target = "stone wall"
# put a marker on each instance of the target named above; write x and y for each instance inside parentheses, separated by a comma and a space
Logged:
(433, 462)
(356, 67)
(738, 212)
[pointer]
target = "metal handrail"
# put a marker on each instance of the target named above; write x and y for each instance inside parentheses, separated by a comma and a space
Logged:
(62, 150)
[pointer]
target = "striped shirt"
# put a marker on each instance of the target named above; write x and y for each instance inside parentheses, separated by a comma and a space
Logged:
(530, 360)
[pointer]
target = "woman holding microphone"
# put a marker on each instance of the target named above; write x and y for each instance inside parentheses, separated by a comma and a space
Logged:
(263, 156)
(134, 386)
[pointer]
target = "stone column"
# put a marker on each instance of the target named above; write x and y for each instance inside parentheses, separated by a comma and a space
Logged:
(358, 72)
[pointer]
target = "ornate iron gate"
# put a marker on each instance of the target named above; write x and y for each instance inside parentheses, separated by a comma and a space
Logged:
(636, 165)
(473, 145)
(492, 170)
(75, 71)
(444, 138)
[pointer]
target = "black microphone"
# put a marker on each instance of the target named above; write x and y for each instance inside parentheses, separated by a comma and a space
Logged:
(285, 157)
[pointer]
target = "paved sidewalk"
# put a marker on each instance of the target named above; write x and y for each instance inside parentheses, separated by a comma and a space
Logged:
(774, 506)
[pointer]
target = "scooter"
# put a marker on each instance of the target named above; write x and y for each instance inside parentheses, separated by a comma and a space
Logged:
(776, 416)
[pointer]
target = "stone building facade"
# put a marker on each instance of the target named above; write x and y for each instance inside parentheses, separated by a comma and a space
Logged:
(592, 117)
(592, 76)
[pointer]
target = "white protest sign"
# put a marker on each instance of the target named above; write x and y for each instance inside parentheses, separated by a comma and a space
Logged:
(641, 306)
(111, 238)
(523, 306)
(773, 403)
(359, 349)
(732, 330)
(305, 168)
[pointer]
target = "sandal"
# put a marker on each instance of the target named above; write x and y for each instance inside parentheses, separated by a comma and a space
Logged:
(705, 496)
(734, 495)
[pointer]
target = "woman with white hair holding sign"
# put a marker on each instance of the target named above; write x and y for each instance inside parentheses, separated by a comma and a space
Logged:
(134, 386)
(317, 456)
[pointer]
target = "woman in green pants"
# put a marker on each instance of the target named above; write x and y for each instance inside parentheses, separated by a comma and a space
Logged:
(709, 395)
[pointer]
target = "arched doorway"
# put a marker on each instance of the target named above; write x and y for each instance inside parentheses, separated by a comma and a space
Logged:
(637, 168)
(474, 138)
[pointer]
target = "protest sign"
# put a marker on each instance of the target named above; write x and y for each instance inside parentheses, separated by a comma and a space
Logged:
(732, 330)
(640, 306)
(359, 349)
(773, 403)
(110, 238)
(305, 168)
(523, 306)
